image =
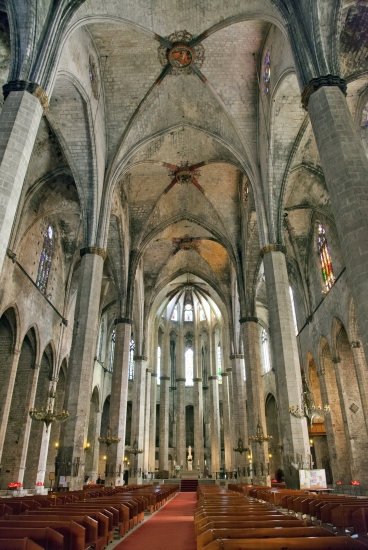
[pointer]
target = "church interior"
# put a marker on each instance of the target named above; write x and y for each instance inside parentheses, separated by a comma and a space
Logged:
(183, 242)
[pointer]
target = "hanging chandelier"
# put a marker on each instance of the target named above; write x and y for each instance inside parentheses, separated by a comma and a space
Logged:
(308, 408)
(109, 439)
(240, 448)
(134, 449)
(46, 413)
(260, 437)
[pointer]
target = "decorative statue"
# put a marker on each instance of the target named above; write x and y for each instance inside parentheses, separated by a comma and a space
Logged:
(190, 458)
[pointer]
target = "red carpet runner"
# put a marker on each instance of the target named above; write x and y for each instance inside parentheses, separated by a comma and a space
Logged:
(172, 528)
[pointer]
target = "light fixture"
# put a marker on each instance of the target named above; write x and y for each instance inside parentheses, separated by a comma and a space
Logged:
(87, 447)
(46, 413)
(104, 457)
(240, 448)
(260, 437)
(134, 449)
(308, 408)
(109, 439)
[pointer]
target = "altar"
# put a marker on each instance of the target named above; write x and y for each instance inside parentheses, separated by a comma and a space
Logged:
(189, 474)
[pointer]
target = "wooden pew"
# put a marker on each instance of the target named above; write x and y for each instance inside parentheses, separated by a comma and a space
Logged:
(60, 524)
(259, 533)
(104, 534)
(119, 511)
(342, 515)
(208, 523)
(74, 534)
(19, 544)
(45, 536)
(304, 543)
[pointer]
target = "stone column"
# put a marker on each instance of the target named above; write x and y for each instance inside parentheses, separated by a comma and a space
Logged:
(96, 447)
(286, 359)
(198, 424)
(164, 422)
(215, 424)
(362, 376)
(240, 415)
(146, 444)
(19, 121)
(232, 407)
(13, 365)
(138, 416)
(80, 371)
(118, 401)
(345, 168)
(255, 398)
(152, 424)
(226, 419)
(181, 429)
(164, 402)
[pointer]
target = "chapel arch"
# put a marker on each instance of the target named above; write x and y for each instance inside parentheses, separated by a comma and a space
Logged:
(317, 432)
(334, 423)
(38, 428)
(351, 403)
(91, 452)
(8, 355)
(16, 440)
(55, 427)
(272, 425)
(105, 421)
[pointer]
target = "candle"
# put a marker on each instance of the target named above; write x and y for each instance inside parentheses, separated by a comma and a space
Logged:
(174, 462)
(205, 462)
(198, 462)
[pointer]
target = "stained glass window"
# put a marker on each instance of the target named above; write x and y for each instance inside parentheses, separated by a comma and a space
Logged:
(293, 308)
(45, 260)
(324, 255)
(267, 71)
(158, 365)
(112, 351)
(202, 315)
(265, 351)
(188, 312)
(131, 361)
(189, 367)
(219, 362)
(174, 315)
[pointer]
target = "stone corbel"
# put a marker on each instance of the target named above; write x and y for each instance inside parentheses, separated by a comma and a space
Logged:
(317, 83)
(30, 87)
(272, 248)
(355, 344)
(93, 250)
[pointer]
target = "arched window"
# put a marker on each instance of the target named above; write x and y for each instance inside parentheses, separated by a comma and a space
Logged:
(293, 308)
(188, 312)
(325, 258)
(267, 71)
(265, 351)
(112, 351)
(131, 360)
(158, 365)
(202, 315)
(174, 315)
(219, 362)
(100, 341)
(189, 367)
(45, 260)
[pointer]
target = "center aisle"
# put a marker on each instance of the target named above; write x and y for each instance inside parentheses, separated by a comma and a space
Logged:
(172, 528)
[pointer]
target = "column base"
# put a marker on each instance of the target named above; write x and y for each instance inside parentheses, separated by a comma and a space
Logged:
(135, 481)
(262, 480)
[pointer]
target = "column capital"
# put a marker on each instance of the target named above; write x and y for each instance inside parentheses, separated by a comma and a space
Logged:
(197, 379)
(154, 374)
(229, 369)
(181, 379)
(272, 248)
(140, 357)
(93, 250)
(224, 374)
(30, 87)
(236, 356)
(248, 319)
(317, 83)
(164, 377)
(123, 320)
(213, 377)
